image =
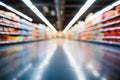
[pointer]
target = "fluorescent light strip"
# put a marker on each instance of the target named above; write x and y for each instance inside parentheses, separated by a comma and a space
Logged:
(39, 14)
(79, 14)
(15, 11)
(104, 10)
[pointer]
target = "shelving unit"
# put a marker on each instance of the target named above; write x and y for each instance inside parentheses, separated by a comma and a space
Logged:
(14, 42)
(98, 33)
(106, 31)
(104, 28)
(103, 42)
(117, 15)
(14, 29)
(15, 34)
(7, 18)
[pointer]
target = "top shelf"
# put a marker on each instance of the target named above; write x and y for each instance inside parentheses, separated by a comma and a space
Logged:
(118, 15)
(102, 26)
(3, 16)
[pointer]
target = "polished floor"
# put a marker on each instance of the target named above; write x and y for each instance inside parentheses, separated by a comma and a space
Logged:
(59, 59)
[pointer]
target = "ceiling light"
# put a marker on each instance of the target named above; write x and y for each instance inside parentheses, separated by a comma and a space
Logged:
(104, 10)
(45, 8)
(15, 11)
(39, 14)
(53, 13)
(79, 14)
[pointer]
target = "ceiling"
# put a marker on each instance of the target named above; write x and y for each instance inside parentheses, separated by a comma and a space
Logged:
(58, 12)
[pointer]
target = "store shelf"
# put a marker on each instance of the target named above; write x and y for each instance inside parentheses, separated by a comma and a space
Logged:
(109, 24)
(109, 29)
(16, 34)
(107, 37)
(118, 15)
(102, 42)
(16, 42)
(16, 27)
(102, 30)
(3, 16)
(104, 37)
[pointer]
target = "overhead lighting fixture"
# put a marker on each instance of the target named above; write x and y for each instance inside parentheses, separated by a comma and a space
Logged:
(15, 11)
(105, 10)
(39, 14)
(45, 8)
(79, 14)
(52, 13)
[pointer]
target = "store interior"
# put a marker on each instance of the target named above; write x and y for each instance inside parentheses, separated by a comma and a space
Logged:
(59, 39)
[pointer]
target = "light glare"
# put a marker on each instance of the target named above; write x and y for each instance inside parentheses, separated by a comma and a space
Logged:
(79, 14)
(15, 11)
(39, 14)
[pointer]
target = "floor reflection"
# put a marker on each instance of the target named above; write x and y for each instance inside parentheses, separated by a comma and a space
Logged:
(21, 61)
(98, 62)
(59, 60)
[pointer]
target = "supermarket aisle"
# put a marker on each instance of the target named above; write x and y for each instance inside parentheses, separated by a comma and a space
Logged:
(59, 60)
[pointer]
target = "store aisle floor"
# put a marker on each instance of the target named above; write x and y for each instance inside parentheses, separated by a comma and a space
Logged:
(59, 59)
(59, 67)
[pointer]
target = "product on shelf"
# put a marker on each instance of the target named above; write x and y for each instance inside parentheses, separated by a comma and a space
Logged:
(75, 30)
(104, 28)
(109, 14)
(14, 28)
(115, 24)
(118, 9)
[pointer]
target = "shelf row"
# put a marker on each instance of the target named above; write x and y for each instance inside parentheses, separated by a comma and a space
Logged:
(102, 26)
(106, 30)
(113, 17)
(15, 33)
(22, 41)
(101, 30)
(16, 27)
(22, 22)
(106, 37)
(103, 42)
(104, 20)
(9, 19)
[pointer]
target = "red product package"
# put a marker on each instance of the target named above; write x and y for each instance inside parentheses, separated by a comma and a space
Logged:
(118, 9)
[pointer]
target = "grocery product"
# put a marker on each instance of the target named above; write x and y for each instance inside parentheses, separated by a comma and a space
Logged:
(14, 28)
(104, 28)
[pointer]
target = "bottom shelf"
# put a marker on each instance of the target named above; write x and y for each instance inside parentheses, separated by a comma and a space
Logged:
(14, 42)
(103, 42)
